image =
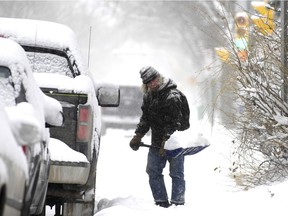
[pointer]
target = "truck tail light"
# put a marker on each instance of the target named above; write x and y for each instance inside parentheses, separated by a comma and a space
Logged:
(84, 123)
(24, 149)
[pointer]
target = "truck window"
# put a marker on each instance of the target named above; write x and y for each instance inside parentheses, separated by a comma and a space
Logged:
(48, 60)
(49, 63)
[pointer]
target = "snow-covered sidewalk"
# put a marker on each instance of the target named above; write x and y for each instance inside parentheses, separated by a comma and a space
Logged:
(123, 189)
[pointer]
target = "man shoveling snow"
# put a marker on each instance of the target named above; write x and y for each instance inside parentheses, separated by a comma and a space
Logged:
(165, 111)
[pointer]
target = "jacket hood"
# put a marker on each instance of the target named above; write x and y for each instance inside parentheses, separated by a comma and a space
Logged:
(165, 83)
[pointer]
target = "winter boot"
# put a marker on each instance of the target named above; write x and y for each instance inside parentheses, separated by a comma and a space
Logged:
(164, 204)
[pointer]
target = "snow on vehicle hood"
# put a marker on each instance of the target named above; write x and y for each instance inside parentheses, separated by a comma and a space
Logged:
(39, 33)
(81, 84)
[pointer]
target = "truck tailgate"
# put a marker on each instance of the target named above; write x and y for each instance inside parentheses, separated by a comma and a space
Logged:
(67, 165)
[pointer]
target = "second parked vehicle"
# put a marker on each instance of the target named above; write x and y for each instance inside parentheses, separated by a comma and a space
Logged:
(17, 85)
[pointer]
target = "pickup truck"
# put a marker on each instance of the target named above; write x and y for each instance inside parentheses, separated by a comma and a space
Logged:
(61, 74)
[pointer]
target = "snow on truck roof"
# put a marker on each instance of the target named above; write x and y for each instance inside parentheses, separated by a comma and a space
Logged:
(45, 34)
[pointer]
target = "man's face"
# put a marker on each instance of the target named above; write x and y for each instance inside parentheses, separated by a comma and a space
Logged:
(154, 84)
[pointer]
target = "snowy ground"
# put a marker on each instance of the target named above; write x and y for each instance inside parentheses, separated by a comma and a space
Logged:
(123, 189)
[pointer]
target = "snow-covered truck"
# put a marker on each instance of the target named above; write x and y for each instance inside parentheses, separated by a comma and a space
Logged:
(59, 71)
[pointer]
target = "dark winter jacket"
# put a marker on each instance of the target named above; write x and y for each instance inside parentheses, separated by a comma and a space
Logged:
(161, 111)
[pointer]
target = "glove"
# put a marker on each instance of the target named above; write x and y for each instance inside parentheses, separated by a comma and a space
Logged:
(162, 151)
(135, 142)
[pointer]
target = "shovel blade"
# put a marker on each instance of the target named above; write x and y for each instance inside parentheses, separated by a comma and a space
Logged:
(185, 151)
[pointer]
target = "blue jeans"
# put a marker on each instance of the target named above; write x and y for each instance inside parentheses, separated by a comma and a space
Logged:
(155, 166)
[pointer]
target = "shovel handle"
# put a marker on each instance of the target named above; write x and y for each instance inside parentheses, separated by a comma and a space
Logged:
(148, 146)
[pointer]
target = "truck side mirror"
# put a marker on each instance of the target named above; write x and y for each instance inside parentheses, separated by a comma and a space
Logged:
(108, 96)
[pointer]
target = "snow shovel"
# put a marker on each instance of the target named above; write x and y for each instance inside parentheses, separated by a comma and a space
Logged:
(179, 151)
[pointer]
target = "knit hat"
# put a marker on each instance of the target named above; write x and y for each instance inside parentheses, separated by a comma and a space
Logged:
(148, 73)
